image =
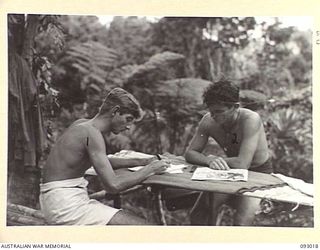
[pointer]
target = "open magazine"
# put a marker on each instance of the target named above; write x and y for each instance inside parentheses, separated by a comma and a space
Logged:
(205, 173)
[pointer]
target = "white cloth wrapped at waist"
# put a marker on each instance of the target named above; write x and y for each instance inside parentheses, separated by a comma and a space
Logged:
(66, 202)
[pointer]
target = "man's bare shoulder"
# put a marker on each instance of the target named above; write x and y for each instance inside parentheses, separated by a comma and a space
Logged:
(250, 118)
(84, 125)
(207, 123)
(87, 129)
(79, 134)
(74, 127)
(79, 129)
(79, 121)
(248, 114)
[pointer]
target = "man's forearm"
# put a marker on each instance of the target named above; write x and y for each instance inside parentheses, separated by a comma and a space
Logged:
(197, 158)
(235, 162)
(125, 181)
(118, 162)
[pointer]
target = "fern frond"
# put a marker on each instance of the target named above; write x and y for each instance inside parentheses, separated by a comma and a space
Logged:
(93, 60)
(190, 89)
(155, 63)
(120, 75)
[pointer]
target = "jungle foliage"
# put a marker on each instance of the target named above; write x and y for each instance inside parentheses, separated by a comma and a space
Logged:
(166, 64)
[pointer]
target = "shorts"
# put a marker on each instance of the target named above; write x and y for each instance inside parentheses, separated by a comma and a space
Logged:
(66, 202)
(266, 167)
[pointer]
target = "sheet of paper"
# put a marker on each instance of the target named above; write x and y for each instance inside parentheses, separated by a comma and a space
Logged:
(205, 173)
(127, 154)
(173, 169)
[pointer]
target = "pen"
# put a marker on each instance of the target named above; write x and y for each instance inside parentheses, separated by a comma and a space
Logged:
(158, 157)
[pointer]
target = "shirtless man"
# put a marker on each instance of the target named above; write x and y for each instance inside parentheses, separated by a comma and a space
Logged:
(63, 194)
(240, 133)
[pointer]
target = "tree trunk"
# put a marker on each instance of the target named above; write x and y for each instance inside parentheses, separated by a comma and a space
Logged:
(30, 33)
(16, 32)
(211, 65)
(23, 179)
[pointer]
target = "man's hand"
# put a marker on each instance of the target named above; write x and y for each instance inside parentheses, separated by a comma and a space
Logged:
(158, 167)
(146, 161)
(216, 162)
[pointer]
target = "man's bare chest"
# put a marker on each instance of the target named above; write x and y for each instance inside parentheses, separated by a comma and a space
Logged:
(229, 141)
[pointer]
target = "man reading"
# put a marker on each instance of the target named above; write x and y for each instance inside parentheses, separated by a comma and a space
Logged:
(240, 133)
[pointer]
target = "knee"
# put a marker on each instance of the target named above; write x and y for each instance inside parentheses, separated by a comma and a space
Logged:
(244, 219)
(246, 213)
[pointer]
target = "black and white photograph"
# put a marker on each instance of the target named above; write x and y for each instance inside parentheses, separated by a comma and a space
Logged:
(109, 118)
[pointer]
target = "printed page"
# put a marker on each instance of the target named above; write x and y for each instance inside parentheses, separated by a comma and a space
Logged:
(205, 173)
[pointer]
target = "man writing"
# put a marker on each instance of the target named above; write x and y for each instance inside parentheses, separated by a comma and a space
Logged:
(63, 194)
(240, 133)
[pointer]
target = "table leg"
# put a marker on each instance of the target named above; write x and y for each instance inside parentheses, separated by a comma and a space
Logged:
(160, 209)
(117, 201)
(156, 193)
(210, 217)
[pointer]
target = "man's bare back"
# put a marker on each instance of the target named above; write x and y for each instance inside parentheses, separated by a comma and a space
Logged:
(69, 158)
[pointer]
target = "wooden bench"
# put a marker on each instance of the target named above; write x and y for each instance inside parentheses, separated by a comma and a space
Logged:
(18, 215)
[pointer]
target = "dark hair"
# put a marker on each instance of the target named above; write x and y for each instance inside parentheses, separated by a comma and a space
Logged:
(223, 91)
(128, 104)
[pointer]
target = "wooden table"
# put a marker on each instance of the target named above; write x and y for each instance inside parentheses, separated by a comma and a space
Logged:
(183, 180)
(158, 184)
(256, 181)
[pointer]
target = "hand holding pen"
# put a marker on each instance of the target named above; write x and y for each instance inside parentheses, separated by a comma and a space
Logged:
(159, 166)
(165, 159)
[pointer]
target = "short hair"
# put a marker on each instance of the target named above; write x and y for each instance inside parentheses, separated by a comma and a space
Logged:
(223, 91)
(126, 101)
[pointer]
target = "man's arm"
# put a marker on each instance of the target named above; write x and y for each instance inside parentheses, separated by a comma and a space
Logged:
(251, 130)
(112, 183)
(119, 162)
(194, 151)
(199, 141)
